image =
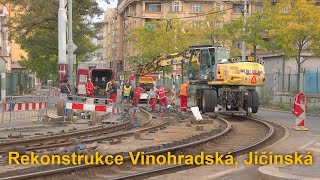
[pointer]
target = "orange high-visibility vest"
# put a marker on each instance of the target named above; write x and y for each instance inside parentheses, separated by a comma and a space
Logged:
(183, 90)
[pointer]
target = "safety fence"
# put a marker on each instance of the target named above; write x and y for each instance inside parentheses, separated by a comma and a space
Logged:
(17, 110)
(53, 93)
(280, 89)
(26, 110)
(288, 83)
(95, 107)
(93, 104)
(18, 83)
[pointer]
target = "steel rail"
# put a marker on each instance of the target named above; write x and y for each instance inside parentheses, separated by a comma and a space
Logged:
(172, 167)
(67, 135)
(72, 168)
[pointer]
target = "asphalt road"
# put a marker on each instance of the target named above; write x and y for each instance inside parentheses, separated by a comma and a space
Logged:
(311, 122)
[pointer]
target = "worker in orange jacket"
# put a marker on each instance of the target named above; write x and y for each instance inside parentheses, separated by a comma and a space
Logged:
(183, 96)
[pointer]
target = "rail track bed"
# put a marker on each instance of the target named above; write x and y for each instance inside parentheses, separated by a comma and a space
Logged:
(235, 134)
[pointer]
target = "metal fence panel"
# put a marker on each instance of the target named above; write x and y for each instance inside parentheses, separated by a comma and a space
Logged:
(17, 83)
(288, 83)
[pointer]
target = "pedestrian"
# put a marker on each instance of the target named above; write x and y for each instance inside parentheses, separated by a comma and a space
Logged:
(89, 88)
(126, 92)
(162, 92)
(183, 96)
(108, 89)
(136, 95)
(153, 94)
(65, 88)
(113, 91)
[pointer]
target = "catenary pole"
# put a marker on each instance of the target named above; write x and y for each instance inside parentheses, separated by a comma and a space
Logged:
(62, 55)
(71, 47)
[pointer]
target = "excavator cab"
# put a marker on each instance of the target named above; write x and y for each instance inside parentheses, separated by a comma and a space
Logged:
(202, 64)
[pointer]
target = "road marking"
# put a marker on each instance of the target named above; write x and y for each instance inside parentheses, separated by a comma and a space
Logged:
(317, 144)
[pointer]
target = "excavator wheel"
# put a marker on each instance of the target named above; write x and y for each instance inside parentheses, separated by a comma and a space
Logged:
(248, 105)
(214, 99)
(198, 99)
(255, 101)
(207, 101)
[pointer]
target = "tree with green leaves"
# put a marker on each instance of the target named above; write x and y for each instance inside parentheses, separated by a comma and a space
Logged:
(211, 30)
(165, 37)
(35, 28)
(295, 29)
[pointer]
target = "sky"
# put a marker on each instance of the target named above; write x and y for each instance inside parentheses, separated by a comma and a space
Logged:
(105, 6)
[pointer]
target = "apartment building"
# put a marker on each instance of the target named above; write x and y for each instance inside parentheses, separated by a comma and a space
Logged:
(109, 37)
(10, 51)
(132, 14)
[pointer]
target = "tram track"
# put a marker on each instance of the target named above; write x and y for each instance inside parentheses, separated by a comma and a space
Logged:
(85, 136)
(238, 140)
(238, 136)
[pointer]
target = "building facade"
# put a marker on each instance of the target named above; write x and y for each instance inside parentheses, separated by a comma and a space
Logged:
(131, 14)
(10, 51)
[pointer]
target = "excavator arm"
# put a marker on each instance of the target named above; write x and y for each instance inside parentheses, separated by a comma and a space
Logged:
(162, 61)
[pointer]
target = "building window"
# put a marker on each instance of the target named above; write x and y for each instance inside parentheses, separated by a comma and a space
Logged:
(153, 7)
(238, 8)
(219, 6)
(258, 9)
(175, 7)
(196, 7)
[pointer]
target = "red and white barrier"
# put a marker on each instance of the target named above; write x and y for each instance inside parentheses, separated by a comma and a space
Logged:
(299, 111)
(88, 107)
(24, 106)
(116, 110)
(173, 95)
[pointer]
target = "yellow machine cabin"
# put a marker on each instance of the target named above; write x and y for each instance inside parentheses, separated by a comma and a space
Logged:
(212, 65)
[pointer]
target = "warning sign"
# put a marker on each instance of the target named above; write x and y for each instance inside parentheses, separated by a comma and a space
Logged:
(253, 80)
(121, 78)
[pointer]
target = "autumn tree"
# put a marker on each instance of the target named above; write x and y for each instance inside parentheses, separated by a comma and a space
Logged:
(35, 28)
(211, 29)
(295, 29)
(165, 37)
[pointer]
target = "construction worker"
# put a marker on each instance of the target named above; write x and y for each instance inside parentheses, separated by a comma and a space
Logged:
(126, 92)
(162, 92)
(113, 91)
(183, 96)
(89, 88)
(153, 94)
(107, 89)
(136, 95)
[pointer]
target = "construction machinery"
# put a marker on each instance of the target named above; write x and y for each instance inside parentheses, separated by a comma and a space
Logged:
(146, 81)
(223, 84)
(99, 73)
(220, 84)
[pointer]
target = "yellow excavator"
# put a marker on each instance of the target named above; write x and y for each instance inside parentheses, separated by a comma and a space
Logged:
(221, 84)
